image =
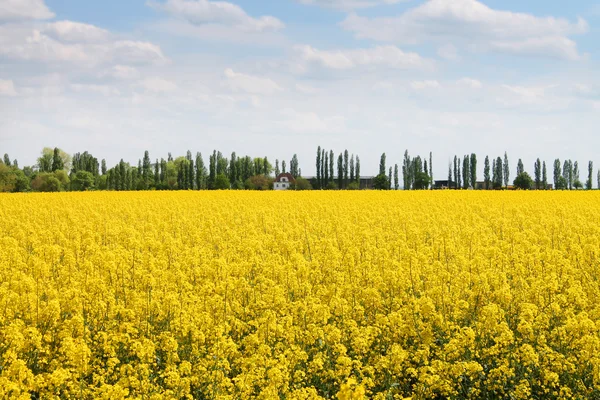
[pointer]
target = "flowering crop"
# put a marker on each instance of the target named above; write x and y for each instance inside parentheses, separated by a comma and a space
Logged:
(303, 295)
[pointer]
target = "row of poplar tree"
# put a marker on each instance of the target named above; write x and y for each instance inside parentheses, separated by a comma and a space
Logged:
(56, 170)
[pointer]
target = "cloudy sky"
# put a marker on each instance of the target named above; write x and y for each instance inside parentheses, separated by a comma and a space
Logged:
(278, 77)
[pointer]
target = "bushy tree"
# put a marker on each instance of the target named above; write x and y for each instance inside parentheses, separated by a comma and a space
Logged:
(380, 182)
(523, 181)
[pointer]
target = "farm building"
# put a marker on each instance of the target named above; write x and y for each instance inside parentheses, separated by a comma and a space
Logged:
(283, 181)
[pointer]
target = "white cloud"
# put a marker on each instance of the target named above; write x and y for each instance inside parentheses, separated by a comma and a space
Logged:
(448, 52)
(423, 85)
(470, 83)
(123, 72)
(69, 31)
(558, 47)
(251, 84)
(24, 43)
(7, 88)
(158, 85)
(12, 10)
(349, 4)
(97, 89)
(202, 12)
(306, 89)
(473, 22)
(386, 56)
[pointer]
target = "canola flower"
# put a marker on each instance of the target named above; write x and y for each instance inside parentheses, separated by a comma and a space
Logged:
(312, 295)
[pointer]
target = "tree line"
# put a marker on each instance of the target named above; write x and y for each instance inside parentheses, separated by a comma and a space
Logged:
(55, 170)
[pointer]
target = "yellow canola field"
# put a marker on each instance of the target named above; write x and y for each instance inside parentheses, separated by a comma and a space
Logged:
(306, 295)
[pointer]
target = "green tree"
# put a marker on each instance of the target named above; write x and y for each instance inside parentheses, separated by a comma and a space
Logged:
(466, 172)
(357, 167)
(200, 172)
(588, 184)
(557, 173)
(221, 182)
(331, 162)
(506, 170)
(520, 167)
(7, 160)
(319, 183)
(340, 171)
(390, 179)
(382, 165)
(380, 182)
(537, 173)
(406, 171)
(576, 181)
(57, 161)
(473, 167)
(523, 181)
(431, 168)
(499, 171)
(294, 166)
(301, 184)
(82, 181)
(486, 173)
(103, 167)
(352, 170)
(46, 182)
(346, 168)
(544, 176)
(456, 173)
(7, 178)
(396, 178)
(258, 182)
(277, 171)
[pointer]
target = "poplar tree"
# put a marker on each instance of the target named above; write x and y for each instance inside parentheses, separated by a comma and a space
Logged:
(294, 166)
(431, 168)
(346, 168)
(544, 176)
(473, 165)
(382, 165)
(357, 172)
(156, 174)
(340, 171)
(277, 171)
(146, 168)
(486, 173)
(449, 175)
(352, 174)
(103, 167)
(466, 172)
(406, 171)
(325, 169)
(458, 175)
(57, 161)
(576, 182)
(331, 162)
(7, 160)
(396, 183)
(500, 170)
(537, 171)
(520, 167)
(456, 183)
(557, 174)
(190, 172)
(390, 179)
(506, 170)
(319, 185)
(588, 184)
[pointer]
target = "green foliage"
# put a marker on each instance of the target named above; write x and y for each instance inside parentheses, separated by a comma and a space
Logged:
(258, 182)
(301, 184)
(7, 178)
(422, 181)
(523, 181)
(46, 182)
(353, 186)
(57, 161)
(221, 182)
(381, 182)
(82, 181)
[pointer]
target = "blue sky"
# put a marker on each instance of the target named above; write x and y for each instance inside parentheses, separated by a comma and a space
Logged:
(274, 78)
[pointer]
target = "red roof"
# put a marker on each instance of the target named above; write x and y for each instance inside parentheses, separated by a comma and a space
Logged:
(287, 175)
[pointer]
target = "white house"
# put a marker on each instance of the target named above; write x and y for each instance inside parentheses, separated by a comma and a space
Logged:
(283, 181)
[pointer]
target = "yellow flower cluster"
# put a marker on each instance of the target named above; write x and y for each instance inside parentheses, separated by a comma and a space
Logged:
(312, 295)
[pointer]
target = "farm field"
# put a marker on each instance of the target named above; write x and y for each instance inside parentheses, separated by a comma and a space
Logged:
(300, 295)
